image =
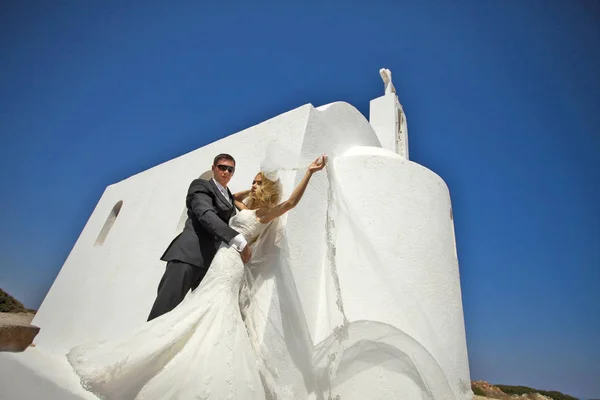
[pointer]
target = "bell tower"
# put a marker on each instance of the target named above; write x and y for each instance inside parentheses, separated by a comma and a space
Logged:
(388, 119)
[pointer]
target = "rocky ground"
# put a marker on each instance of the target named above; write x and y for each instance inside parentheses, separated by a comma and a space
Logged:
(540, 397)
(16, 318)
(16, 331)
(494, 392)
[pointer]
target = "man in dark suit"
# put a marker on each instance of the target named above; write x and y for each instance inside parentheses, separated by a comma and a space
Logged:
(210, 205)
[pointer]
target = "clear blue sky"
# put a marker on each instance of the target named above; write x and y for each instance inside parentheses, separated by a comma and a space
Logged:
(502, 98)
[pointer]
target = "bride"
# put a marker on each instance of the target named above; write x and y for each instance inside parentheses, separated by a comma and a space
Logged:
(201, 349)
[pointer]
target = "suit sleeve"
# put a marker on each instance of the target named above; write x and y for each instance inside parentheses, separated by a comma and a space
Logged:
(201, 202)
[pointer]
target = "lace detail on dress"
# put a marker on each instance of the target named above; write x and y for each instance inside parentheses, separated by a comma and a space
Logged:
(340, 332)
(199, 350)
(292, 366)
(245, 222)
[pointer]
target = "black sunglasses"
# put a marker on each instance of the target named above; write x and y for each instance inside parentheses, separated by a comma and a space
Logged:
(226, 168)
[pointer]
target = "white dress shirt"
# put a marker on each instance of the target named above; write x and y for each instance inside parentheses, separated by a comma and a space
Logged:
(239, 242)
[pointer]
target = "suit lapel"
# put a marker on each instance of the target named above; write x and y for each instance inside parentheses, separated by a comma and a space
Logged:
(219, 194)
(232, 202)
(234, 209)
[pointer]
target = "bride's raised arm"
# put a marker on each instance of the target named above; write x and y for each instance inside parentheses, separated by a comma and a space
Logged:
(267, 215)
(238, 197)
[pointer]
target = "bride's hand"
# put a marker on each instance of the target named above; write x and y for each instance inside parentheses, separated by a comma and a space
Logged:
(318, 164)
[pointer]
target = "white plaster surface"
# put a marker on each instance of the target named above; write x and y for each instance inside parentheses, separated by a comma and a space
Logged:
(36, 374)
(389, 122)
(103, 291)
(382, 115)
(413, 284)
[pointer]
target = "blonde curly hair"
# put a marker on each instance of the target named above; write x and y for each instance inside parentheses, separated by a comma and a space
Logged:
(266, 195)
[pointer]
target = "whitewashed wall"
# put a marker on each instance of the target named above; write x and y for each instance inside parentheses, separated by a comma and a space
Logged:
(104, 290)
(414, 284)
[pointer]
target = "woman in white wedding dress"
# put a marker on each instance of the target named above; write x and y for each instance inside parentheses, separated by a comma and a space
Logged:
(201, 349)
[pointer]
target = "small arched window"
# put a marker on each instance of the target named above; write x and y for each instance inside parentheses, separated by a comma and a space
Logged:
(108, 224)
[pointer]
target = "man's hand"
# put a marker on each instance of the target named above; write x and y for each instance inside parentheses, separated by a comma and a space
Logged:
(246, 254)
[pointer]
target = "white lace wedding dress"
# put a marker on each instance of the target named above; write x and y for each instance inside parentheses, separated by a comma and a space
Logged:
(243, 334)
(199, 350)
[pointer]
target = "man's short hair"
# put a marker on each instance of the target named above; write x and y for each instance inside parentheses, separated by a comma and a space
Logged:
(223, 156)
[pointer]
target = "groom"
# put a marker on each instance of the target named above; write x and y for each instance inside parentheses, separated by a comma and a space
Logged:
(210, 205)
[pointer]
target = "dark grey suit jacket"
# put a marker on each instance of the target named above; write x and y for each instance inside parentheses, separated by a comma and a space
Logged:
(206, 226)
